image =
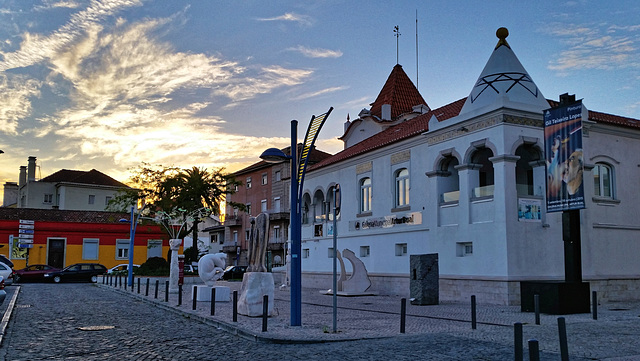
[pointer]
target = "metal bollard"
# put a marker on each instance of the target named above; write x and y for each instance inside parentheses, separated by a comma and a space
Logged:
(166, 291)
(403, 314)
(594, 303)
(213, 301)
(157, 284)
(473, 312)
(138, 286)
(146, 291)
(235, 306)
(179, 295)
(517, 341)
(194, 304)
(265, 312)
(562, 335)
(132, 282)
(534, 352)
(536, 306)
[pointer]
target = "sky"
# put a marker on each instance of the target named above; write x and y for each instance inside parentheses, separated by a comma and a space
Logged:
(108, 84)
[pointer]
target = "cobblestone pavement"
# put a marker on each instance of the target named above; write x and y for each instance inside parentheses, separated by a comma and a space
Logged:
(55, 321)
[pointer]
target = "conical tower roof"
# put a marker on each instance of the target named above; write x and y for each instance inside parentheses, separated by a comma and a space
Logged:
(504, 82)
(399, 92)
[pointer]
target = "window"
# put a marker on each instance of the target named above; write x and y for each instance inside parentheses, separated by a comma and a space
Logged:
(48, 198)
(305, 253)
(524, 171)
(263, 205)
(235, 238)
(107, 199)
(264, 179)
(278, 176)
(365, 195)
(402, 187)
(485, 173)
(213, 238)
(277, 234)
(401, 249)
(235, 212)
(122, 249)
(602, 180)
(249, 183)
(92, 199)
(276, 205)
(90, 249)
(330, 252)
(464, 249)
(364, 251)
(249, 209)
(154, 248)
(247, 234)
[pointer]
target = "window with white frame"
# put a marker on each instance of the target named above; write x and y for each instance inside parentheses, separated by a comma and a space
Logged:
(464, 249)
(248, 208)
(365, 251)
(264, 179)
(249, 183)
(401, 249)
(277, 234)
(122, 249)
(278, 176)
(235, 238)
(402, 187)
(276, 205)
(92, 199)
(263, 205)
(154, 248)
(365, 195)
(48, 198)
(603, 180)
(90, 248)
(305, 253)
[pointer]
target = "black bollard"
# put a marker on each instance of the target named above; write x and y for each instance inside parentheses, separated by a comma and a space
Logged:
(213, 301)
(517, 341)
(562, 335)
(157, 284)
(594, 303)
(473, 312)
(403, 314)
(146, 291)
(536, 307)
(132, 282)
(194, 304)
(235, 306)
(265, 312)
(166, 291)
(179, 295)
(534, 352)
(138, 286)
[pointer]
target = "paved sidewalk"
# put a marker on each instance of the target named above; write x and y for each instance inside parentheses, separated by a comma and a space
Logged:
(615, 335)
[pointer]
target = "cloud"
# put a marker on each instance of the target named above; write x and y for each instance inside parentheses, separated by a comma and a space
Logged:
(50, 4)
(267, 79)
(320, 92)
(300, 19)
(317, 53)
(15, 96)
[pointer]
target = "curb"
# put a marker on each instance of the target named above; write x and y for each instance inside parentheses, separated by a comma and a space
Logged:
(7, 314)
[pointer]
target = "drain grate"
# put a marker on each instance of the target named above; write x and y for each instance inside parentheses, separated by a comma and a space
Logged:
(96, 328)
(23, 306)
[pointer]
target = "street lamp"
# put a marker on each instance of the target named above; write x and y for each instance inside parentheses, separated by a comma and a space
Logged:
(274, 155)
(132, 234)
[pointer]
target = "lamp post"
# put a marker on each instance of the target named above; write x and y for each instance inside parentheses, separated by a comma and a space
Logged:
(133, 223)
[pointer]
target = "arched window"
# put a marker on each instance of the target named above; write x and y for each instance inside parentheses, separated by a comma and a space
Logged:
(319, 207)
(331, 202)
(449, 183)
(524, 172)
(305, 206)
(365, 195)
(603, 180)
(402, 187)
(485, 173)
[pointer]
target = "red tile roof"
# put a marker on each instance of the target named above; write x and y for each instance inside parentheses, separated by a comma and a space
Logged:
(57, 215)
(399, 92)
(82, 177)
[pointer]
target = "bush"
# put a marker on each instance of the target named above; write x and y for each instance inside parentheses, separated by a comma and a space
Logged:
(154, 266)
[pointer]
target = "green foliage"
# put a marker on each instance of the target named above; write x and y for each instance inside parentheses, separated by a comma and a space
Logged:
(154, 266)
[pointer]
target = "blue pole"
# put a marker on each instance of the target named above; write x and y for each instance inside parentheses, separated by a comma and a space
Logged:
(132, 234)
(296, 233)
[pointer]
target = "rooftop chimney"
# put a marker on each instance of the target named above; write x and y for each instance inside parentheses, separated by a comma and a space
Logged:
(10, 194)
(31, 169)
(386, 111)
(22, 180)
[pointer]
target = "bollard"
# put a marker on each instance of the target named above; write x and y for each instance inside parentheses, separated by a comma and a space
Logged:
(594, 302)
(235, 306)
(103, 278)
(132, 282)
(179, 295)
(265, 312)
(562, 335)
(157, 284)
(403, 314)
(517, 341)
(473, 312)
(146, 291)
(194, 304)
(138, 286)
(534, 352)
(213, 301)
(166, 291)
(536, 306)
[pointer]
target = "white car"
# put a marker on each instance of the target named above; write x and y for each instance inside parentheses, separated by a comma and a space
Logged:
(7, 273)
(122, 268)
(3, 293)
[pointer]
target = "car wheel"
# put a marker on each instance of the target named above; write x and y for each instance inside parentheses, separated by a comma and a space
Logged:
(57, 279)
(16, 278)
(94, 279)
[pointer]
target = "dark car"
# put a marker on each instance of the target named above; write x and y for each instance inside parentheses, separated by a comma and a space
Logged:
(234, 272)
(79, 272)
(33, 273)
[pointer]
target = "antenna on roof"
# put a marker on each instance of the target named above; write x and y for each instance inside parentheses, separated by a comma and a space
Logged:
(417, 74)
(397, 34)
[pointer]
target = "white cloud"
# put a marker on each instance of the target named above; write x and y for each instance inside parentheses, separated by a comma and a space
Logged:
(300, 19)
(320, 92)
(317, 53)
(15, 94)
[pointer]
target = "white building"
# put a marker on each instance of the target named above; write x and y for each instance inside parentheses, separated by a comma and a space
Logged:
(451, 180)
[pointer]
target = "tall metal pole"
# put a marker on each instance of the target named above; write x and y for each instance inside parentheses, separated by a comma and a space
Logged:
(296, 233)
(132, 234)
(335, 262)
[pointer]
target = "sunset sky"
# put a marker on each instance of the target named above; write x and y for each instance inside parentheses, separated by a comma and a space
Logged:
(109, 84)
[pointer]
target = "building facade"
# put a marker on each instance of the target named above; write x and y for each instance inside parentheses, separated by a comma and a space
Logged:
(467, 181)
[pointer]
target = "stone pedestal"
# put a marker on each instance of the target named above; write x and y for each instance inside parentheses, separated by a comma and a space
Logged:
(204, 293)
(254, 286)
(424, 279)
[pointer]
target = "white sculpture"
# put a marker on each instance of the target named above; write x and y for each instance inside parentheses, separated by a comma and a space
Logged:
(211, 267)
(359, 281)
(258, 243)
(174, 243)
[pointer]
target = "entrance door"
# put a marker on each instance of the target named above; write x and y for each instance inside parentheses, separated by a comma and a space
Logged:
(55, 257)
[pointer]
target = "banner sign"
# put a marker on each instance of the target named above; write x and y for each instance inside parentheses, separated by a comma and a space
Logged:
(529, 210)
(563, 153)
(413, 218)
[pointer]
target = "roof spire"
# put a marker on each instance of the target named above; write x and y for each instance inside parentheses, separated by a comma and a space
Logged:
(396, 31)
(502, 34)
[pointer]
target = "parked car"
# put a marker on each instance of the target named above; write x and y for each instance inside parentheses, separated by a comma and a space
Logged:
(3, 293)
(6, 261)
(122, 269)
(234, 272)
(33, 273)
(7, 273)
(79, 272)
(191, 268)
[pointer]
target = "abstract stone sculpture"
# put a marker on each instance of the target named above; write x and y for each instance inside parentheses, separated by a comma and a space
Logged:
(174, 270)
(211, 267)
(359, 281)
(258, 243)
